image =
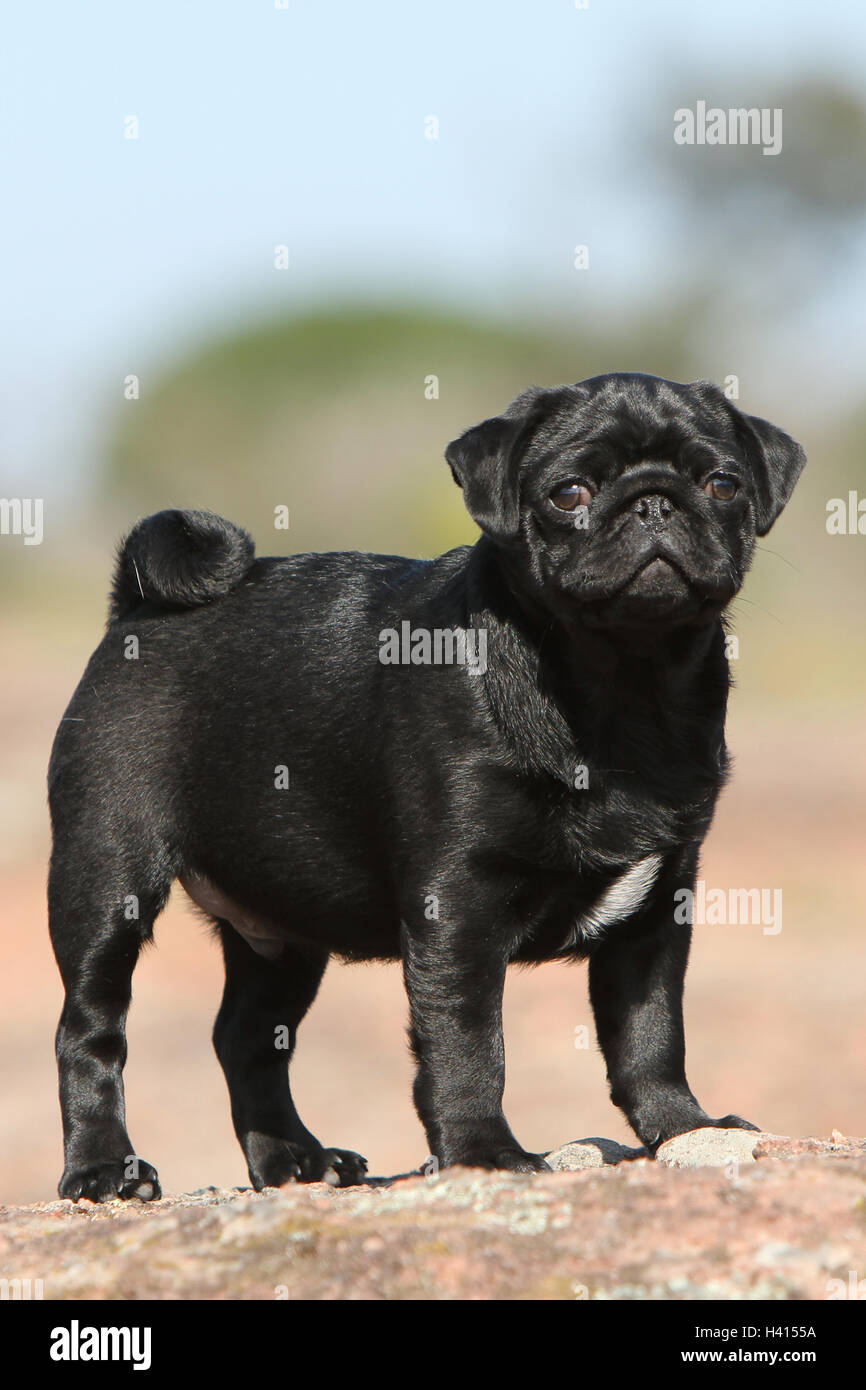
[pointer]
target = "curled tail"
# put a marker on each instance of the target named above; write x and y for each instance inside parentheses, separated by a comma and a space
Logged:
(180, 559)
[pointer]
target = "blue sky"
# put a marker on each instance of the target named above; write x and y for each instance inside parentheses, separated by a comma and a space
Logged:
(305, 126)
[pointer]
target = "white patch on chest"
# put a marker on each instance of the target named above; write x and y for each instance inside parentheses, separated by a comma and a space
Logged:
(623, 898)
(258, 934)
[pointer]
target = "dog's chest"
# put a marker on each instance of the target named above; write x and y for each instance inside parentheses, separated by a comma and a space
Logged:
(591, 865)
(611, 831)
(621, 899)
(568, 914)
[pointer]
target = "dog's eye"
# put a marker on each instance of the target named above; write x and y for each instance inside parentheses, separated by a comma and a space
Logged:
(568, 496)
(721, 486)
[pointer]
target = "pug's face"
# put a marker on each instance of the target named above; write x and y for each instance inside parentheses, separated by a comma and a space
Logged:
(627, 500)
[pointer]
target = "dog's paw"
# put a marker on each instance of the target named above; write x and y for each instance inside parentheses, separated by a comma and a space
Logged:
(104, 1182)
(337, 1167)
(687, 1125)
(733, 1122)
(295, 1163)
(506, 1160)
(673, 1113)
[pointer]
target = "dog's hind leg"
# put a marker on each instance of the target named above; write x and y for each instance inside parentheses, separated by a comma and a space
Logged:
(101, 911)
(254, 1037)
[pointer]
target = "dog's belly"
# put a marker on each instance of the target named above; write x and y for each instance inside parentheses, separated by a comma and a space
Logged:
(619, 900)
(355, 926)
(261, 935)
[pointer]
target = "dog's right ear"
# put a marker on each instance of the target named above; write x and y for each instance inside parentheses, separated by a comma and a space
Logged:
(485, 460)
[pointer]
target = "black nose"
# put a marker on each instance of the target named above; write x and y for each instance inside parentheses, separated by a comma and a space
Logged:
(654, 509)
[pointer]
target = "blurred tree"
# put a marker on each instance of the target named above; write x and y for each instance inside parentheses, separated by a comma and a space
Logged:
(770, 231)
(343, 416)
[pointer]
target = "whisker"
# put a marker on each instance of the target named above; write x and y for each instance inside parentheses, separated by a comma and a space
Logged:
(760, 607)
(779, 556)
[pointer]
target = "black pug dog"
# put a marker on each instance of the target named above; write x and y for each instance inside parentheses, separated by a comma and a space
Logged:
(508, 753)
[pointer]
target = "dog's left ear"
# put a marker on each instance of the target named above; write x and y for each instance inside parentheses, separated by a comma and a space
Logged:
(484, 462)
(776, 459)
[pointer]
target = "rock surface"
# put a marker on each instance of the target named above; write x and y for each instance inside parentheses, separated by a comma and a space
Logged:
(709, 1148)
(590, 1153)
(787, 1220)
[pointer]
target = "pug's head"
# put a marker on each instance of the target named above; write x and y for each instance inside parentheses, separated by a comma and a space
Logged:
(627, 500)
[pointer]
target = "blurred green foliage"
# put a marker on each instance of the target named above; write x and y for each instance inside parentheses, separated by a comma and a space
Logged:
(331, 415)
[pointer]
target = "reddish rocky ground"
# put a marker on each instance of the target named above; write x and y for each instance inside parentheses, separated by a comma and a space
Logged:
(769, 1218)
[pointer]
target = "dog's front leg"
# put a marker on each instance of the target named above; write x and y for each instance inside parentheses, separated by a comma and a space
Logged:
(636, 979)
(455, 980)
